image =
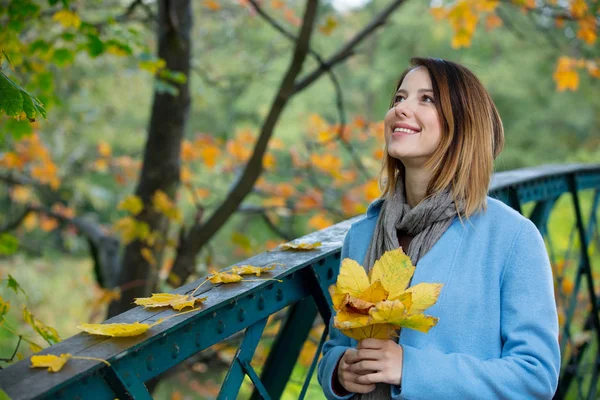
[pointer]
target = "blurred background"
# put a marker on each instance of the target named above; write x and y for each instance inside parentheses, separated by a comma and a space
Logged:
(182, 136)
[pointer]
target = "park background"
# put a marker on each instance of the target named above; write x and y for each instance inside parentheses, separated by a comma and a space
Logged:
(75, 206)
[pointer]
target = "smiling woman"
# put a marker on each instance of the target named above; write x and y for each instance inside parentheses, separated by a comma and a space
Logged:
(497, 334)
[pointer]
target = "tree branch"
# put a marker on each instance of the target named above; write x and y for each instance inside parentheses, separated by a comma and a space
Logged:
(334, 81)
(14, 224)
(348, 49)
(200, 233)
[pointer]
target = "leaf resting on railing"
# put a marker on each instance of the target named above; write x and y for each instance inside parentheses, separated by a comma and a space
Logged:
(299, 246)
(176, 301)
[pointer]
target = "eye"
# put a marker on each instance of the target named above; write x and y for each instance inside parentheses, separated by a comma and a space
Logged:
(427, 99)
(398, 98)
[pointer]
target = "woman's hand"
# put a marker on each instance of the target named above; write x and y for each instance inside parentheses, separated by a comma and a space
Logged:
(377, 361)
(349, 379)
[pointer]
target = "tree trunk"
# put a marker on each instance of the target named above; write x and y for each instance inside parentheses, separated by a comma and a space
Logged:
(161, 164)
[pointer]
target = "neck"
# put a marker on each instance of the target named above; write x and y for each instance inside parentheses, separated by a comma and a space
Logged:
(415, 185)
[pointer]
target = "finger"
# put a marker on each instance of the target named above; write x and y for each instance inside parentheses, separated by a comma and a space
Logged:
(371, 344)
(351, 356)
(368, 354)
(365, 365)
(370, 379)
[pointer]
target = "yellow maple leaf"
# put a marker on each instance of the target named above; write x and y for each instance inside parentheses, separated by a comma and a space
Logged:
(52, 362)
(420, 322)
(251, 270)
(300, 246)
(173, 300)
(224, 277)
(377, 304)
(393, 312)
(376, 331)
(117, 330)
(352, 278)
(374, 293)
(424, 295)
(394, 270)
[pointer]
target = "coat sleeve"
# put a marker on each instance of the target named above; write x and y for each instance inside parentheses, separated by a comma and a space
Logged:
(530, 360)
(334, 347)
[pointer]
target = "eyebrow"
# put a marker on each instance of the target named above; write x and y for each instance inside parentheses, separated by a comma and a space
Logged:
(418, 91)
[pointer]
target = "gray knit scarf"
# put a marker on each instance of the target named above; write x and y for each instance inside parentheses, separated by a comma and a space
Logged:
(426, 222)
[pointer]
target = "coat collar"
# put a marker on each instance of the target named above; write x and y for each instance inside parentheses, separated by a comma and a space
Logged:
(374, 208)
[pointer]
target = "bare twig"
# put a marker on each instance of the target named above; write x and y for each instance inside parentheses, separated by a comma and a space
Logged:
(348, 49)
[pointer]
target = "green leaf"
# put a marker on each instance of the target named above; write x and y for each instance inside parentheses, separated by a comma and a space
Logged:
(173, 76)
(3, 395)
(62, 57)
(8, 60)
(39, 45)
(95, 47)
(163, 87)
(14, 100)
(12, 283)
(17, 128)
(8, 244)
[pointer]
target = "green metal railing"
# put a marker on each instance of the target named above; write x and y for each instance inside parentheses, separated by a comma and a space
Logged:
(303, 291)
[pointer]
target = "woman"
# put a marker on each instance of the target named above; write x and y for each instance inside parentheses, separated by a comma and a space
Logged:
(497, 335)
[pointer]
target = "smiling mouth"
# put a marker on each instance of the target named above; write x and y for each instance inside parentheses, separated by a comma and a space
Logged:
(403, 132)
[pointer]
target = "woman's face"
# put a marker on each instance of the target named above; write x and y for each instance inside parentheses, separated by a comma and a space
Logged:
(412, 125)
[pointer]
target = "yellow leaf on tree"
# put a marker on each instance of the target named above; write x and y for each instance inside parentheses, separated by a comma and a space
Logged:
(565, 75)
(21, 194)
(4, 307)
(148, 256)
(48, 333)
(319, 221)
(117, 330)
(67, 18)
(394, 269)
(104, 149)
(173, 300)
(299, 246)
(52, 362)
(132, 204)
(212, 5)
(251, 270)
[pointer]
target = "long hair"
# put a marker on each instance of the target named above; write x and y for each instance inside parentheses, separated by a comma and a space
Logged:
(472, 136)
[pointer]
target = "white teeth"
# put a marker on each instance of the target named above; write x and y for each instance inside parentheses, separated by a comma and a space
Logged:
(404, 130)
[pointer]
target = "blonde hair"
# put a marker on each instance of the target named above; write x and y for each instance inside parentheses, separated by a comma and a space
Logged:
(472, 137)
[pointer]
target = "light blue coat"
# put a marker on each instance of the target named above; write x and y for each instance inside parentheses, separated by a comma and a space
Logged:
(497, 335)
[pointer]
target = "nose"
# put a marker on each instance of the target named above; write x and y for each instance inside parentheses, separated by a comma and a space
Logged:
(402, 109)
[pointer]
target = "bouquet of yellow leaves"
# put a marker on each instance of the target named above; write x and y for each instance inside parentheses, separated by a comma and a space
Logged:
(377, 305)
